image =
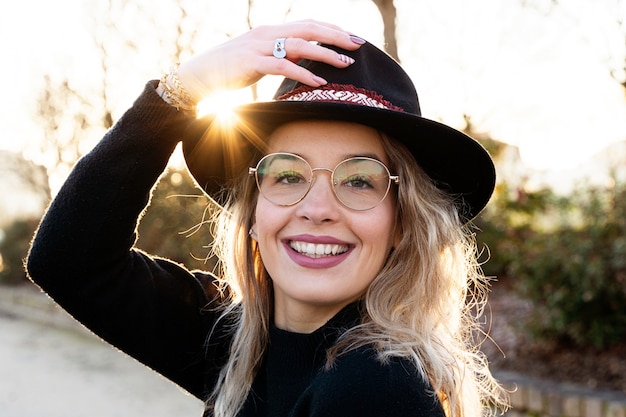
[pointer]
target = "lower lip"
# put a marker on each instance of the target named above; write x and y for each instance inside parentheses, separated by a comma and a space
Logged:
(315, 263)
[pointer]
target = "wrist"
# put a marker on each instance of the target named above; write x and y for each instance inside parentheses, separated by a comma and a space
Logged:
(173, 92)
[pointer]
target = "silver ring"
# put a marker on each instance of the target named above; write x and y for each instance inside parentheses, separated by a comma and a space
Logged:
(279, 48)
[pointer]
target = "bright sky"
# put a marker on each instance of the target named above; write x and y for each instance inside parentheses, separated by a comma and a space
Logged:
(537, 81)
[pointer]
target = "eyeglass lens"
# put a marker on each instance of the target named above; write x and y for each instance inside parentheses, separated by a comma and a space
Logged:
(359, 183)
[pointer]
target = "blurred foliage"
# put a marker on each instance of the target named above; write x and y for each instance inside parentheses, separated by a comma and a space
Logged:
(567, 255)
(173, 227)
(13, 248)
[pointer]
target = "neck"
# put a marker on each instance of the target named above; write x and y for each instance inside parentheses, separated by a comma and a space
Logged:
(299, 318)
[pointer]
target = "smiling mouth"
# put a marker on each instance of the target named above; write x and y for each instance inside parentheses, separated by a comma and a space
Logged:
(313, 250)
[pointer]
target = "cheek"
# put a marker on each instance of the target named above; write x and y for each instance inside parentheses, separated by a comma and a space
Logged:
(378, 233)
(268, 221)
(263, 215)
(387, 224)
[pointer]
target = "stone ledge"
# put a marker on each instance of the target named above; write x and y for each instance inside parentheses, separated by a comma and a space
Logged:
(542, 398)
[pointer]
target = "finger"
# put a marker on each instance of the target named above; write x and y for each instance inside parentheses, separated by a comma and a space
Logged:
(314, 31)
(326, 33)
(288, 69)
(297, 49)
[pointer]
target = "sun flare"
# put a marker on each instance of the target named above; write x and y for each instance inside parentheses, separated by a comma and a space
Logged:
(223, 103)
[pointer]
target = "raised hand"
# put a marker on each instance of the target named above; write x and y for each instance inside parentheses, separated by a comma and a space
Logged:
(244, 60)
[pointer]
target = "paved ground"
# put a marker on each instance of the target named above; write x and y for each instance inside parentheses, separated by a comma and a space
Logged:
(52, 371)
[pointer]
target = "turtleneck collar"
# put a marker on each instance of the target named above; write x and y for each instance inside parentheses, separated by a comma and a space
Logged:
(293, 359)
(297, 346)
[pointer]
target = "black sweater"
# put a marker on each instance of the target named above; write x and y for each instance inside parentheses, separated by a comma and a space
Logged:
(162, 314)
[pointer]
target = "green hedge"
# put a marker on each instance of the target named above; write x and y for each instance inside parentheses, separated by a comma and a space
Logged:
(567, 256)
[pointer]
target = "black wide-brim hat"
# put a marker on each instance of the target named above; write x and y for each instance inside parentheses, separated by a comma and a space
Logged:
(374, 91)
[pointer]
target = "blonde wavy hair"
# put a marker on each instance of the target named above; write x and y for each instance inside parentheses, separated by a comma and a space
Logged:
(423, 305)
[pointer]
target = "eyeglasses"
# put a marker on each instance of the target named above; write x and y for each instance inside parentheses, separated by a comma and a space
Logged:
(359, 183)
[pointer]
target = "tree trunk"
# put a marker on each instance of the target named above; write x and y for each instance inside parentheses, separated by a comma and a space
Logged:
(388, 13)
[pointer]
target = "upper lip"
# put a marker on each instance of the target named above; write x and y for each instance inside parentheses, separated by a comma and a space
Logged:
(326, 240)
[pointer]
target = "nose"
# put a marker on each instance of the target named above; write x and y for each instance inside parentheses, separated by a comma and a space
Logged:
(319, 205)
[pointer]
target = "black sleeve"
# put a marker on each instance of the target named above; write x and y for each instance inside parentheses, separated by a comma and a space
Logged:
(83, 254)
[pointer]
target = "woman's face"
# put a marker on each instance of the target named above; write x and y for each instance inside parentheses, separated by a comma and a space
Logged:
(309, 289)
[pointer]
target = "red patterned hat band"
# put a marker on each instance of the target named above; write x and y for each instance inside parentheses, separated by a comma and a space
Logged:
(339, 93)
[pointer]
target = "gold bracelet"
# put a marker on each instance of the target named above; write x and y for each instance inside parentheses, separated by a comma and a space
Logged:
(174, 92)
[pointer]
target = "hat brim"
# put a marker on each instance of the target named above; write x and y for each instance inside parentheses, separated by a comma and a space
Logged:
(215, 153)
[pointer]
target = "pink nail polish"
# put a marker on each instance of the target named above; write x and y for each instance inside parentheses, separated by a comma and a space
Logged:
(319, 80)
(346, 59)
(357, 40)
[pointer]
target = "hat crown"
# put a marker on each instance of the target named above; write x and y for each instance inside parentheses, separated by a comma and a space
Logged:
(373, 71)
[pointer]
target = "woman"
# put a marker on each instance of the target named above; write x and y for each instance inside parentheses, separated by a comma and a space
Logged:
(345, 263)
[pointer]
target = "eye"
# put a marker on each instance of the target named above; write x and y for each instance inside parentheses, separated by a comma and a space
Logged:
(289, 177)
(358, 181)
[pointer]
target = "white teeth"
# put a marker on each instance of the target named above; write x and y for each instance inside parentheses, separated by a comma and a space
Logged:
(317, 251)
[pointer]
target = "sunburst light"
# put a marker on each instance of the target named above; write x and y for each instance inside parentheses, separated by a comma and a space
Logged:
(223, 103)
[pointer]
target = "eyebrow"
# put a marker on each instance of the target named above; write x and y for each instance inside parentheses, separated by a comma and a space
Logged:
(363, 155)
(345, 156)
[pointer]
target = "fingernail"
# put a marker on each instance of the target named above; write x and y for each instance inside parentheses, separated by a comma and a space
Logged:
(319, 80)
(345, 59)
(357, 40)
